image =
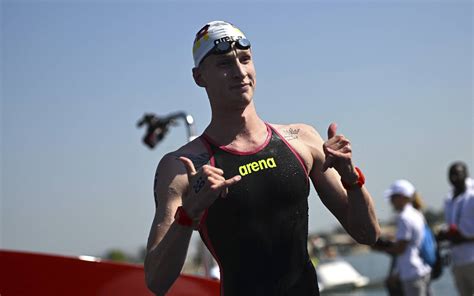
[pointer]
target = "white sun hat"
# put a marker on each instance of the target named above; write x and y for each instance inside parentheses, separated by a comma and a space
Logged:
(401, 187)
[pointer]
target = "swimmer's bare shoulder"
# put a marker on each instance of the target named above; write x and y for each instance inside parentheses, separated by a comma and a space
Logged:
(171, 173)
(305, 140)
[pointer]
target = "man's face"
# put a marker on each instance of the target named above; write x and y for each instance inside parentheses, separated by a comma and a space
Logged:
(457, 176)
(229, 78)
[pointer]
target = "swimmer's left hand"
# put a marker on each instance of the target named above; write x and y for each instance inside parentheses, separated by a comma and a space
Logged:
(338, 153)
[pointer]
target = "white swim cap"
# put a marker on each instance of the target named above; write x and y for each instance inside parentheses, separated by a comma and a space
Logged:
(210, 35)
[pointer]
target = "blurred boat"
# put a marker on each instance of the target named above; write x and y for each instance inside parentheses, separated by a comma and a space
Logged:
(339, 275)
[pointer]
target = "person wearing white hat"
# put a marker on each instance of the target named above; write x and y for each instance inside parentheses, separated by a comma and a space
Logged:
(459, 216)
(244, 184)
(409, 267)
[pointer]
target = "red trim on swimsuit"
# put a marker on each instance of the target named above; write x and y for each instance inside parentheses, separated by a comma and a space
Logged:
(298, 156)
(237, 152)
(202, 224)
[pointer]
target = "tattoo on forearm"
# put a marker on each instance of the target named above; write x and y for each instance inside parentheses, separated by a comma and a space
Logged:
(291, 133)
(198, 185)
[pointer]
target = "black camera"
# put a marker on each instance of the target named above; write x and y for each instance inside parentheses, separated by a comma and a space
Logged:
(157, 128)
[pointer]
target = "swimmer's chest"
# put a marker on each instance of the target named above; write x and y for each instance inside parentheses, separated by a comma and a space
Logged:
(271, 178)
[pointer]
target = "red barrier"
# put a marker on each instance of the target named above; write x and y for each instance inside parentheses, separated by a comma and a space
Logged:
(24, 274)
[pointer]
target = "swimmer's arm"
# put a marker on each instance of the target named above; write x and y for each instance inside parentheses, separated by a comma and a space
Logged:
(353, 208)
(397, 248)
(168, 241)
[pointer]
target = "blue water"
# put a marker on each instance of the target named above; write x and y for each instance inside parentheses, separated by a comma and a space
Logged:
(375, 266)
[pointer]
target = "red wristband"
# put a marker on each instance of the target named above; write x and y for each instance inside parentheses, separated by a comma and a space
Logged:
(182, 218)
(360, 181)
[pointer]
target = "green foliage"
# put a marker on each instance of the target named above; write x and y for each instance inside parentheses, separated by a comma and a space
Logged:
(117, 256)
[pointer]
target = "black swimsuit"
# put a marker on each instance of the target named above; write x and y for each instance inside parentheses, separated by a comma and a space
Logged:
(258, 232)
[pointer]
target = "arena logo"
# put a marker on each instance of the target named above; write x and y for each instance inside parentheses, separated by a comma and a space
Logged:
(227, 39)
(256, 166)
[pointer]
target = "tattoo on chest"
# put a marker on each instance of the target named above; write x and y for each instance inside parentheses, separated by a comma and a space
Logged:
(291, 133)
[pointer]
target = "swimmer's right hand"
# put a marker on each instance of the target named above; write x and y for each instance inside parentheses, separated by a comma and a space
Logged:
(205, 186)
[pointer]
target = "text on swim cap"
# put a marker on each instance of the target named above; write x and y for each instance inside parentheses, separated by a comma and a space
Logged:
(227, 39)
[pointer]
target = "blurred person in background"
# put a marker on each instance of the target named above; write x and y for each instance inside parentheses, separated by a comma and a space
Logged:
(459, 216)
(408, 268)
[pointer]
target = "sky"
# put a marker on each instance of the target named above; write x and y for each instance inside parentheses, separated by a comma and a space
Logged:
(76, 76)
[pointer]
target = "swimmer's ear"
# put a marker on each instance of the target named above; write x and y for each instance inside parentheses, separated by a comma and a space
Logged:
(197, 75)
